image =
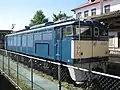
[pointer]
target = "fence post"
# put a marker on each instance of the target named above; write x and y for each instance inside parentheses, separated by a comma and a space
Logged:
(9, 64)
(59, 76)
(3, 62)
(6, 54)
(31, 73)
(17, 70)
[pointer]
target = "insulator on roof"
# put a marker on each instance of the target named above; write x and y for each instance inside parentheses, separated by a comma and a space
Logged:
(27, 27)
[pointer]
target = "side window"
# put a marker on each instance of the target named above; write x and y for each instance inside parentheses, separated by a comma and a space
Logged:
(8, 41)
(37, 36)
(14, 41)
(30, 40)
(57, 33)
(18, 40)
(47, 35)
(11, 41)
(24, 40)
(67, 31)
(64, 32)
(96, 31)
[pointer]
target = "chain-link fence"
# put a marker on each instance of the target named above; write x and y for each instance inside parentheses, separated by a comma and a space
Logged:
(30, 73)
(19, 68)
(104, 82)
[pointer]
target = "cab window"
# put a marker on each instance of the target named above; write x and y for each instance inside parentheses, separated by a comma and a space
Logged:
(83, 30)
(67, 31)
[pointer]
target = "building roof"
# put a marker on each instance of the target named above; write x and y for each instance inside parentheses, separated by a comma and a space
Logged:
(5, 30)
(107, 15)
(86, 5)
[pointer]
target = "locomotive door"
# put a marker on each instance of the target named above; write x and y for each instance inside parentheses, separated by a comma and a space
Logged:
(58, 43)
(84, 45)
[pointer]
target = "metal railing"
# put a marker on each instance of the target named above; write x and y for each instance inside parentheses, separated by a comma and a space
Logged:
(12, 65)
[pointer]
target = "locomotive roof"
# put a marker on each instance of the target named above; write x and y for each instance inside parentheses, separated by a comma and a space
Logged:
(51, 26)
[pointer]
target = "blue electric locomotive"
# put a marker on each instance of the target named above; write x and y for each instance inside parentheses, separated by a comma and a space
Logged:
(72, 42)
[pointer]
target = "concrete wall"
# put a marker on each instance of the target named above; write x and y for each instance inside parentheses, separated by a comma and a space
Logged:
(5, 84)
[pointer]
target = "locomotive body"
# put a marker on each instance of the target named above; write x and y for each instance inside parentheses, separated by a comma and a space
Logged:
(78, 43)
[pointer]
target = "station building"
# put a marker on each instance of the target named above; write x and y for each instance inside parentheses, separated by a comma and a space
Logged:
(2, 37)
(107, 11)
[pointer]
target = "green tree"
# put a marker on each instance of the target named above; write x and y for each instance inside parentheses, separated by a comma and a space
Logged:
(55, 17)
(38, 18)
(60, 16)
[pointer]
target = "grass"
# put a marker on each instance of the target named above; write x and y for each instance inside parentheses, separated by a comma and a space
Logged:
(21, 82)
(64, 84)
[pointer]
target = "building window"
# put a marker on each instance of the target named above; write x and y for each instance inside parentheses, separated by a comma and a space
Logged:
(93, 12)
(86, 13)
(107, 8)
(92, 0)
(79, 14)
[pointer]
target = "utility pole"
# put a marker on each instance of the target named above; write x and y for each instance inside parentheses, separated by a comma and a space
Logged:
(101, 6)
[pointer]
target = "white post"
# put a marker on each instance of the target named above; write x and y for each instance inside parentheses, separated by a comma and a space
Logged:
(101, 6)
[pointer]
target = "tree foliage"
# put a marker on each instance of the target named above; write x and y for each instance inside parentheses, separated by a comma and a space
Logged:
(60, 16)
(38, 18)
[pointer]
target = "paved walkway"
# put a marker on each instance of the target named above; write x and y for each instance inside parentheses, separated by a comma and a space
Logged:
(40, 82)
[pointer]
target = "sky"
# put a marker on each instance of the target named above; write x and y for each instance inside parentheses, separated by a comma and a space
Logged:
(20, 12)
